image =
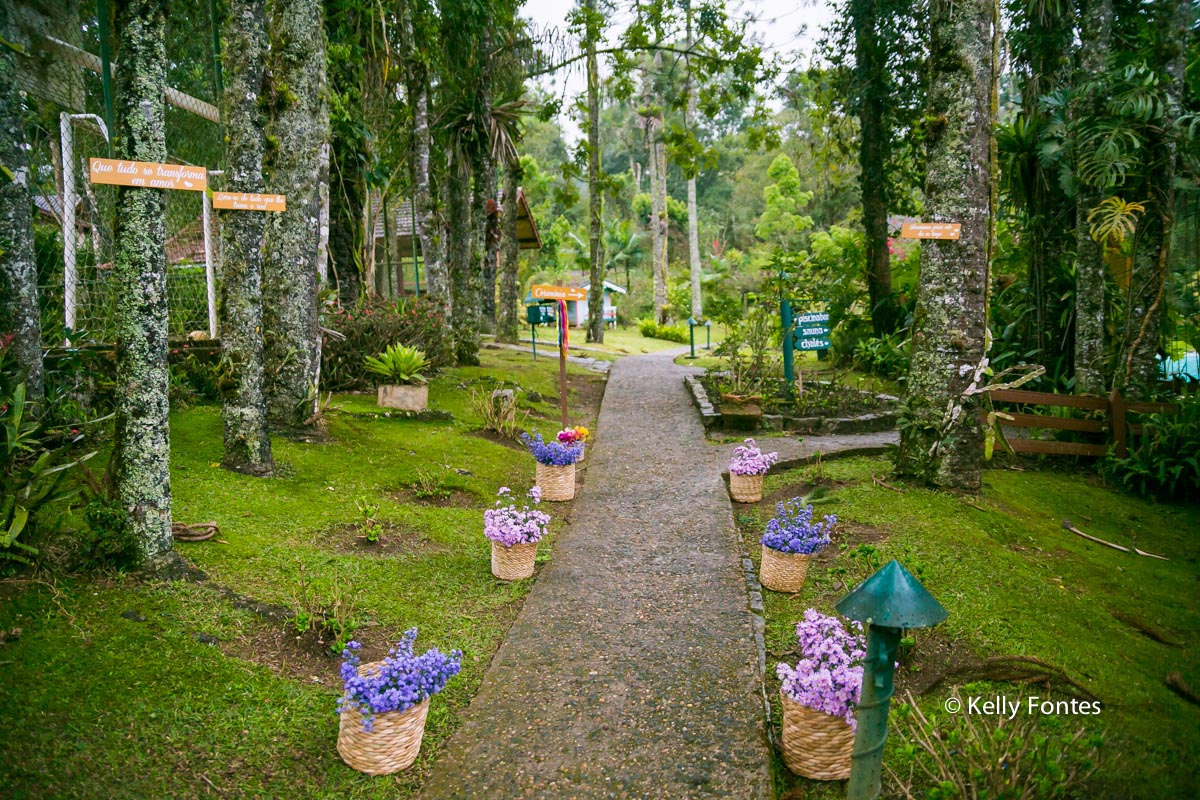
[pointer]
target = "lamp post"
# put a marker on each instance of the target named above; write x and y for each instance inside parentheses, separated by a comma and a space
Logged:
(888, 602)
(692, 336)
(708, 334)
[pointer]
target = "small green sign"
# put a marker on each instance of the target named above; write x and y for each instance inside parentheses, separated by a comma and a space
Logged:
(812, 343)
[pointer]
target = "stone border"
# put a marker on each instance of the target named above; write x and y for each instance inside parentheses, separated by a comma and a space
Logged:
(814, 426)
(709, 416)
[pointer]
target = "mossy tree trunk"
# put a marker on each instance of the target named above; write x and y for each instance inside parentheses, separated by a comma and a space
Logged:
(464, 276)
(142, 449)
(595, 301)
(1096, 18)
(508, 319)
(244, 406)
(941, 440)
(1152, 245)
(488, 221)
(296, 131)
(19, 314)
(871, 84)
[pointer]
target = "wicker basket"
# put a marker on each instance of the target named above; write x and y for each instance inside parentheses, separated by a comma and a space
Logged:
(556, 483)
(745, 488)
(783, 572)
(393, 743)
(815, 745)
(513, 563)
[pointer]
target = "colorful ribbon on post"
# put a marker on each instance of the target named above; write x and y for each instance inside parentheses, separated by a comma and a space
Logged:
(562, 327)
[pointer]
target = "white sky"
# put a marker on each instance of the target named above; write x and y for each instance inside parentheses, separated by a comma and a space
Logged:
(784, 27)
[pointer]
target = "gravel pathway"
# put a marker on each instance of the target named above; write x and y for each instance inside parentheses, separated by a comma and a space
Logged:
(631, 671)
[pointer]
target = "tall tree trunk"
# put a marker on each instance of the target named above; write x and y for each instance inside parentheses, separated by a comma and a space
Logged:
(464, 278)
(244, 405)
(942, 441)
(663, 276)
(482, 214)
(428, 230)
(1096, 17)
(346, 208)
(510, 257)
(1152, 245)
(872, 158)
(19, 313)
(657, 245)
(693, 213)
(142, 448)
(491, 248)
(595, 301)
(298, 128)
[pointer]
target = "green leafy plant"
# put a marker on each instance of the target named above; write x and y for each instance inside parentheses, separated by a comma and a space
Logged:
(1025, 756)
(333, 612)
(398, 364)
(497, 414)
(368, 525)
(671, 333)
(855, 564)
(428, 486)
(1164, 460)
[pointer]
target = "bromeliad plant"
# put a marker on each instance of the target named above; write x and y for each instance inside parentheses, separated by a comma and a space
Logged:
(399, 364)
(828, 677)
(399, 682)
(749, 459)
(792, 529)
(508, 525)
(553, 453)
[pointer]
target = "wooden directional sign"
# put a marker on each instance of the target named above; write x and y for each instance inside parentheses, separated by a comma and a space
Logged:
(544, 292)
(812, 331)
(149, 174)
(930, 230)
(813, 343)
(249, 201)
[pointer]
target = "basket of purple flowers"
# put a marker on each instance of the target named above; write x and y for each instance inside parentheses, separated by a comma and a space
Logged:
(555, 465)
(746, 470)
(514, 533)
(790, 541)
(819, 697)
(384, 704)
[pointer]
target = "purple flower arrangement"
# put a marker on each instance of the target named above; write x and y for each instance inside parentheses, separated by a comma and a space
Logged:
(828, 677)
(509, 525)
(792, 529)
(553, 453)
(400, 682)
(748, 459)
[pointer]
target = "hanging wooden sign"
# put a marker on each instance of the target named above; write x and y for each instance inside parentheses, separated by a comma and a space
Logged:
(249, 201)
(930, 230)
(149, 174)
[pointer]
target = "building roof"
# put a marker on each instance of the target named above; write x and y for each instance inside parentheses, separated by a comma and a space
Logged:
(402, 225)
(609, 286)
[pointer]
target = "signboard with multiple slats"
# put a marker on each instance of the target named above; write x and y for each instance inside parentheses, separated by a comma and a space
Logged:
(812, 331)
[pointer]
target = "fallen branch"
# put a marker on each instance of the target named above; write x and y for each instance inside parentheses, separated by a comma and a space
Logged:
(1011, 669)
(1177, 684)
(1067, 524)
(880, 482)
(1150, 555)
(1144, 628)
(199, 532)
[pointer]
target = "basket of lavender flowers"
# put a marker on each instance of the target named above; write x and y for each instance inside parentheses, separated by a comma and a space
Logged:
(555, 465)
(790, 541)
(746, 470)
(514, 533)
(384, 704)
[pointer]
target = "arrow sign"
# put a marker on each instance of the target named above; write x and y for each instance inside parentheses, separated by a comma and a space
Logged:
(544, 292)
(813, 330)
(812, 316)
(812, 343)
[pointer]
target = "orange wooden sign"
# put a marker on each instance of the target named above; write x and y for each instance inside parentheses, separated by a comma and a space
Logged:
(149, 174)
(249, 201)
(544, 292)
(930, 230)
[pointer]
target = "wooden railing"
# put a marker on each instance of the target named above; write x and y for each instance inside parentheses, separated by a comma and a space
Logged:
(1112, 422)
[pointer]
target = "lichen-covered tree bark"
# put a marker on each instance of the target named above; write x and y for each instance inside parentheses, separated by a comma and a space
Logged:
(1152, 246)
(489, 241)
(243, 403)
(1095, 19)
(139, 275)
(595, 328)
(508, 320)
(656, 160)
(693, 211)
(19, 313)
(941, 440)
(296, 131)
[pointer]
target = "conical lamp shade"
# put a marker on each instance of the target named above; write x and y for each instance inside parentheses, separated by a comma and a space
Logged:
(892, 598)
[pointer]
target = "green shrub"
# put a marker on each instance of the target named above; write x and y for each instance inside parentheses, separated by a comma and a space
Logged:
(886, 356)
(1164, 460)
(398, 364)
(671, 333)
(371, 328)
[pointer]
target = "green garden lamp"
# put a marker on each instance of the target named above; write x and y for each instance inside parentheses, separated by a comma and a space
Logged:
(888, 602)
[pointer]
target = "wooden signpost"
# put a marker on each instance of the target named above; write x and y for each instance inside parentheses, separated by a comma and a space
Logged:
(249, 201)
(930, 230)
(562, 294)
(812, 331)
(149, 174)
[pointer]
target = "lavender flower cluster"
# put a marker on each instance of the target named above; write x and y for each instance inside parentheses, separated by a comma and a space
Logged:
(552, 453)
(828, 677)
(402, 681)
(509, 525)
(748, 459)
(792, 530)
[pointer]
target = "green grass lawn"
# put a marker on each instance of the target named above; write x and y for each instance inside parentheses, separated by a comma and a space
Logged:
(117, 688)
(1016, 583)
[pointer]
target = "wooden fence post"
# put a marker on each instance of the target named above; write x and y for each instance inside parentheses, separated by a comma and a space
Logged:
(1117, 423)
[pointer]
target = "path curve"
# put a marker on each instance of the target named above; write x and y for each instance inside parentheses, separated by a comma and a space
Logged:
(631, 670)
